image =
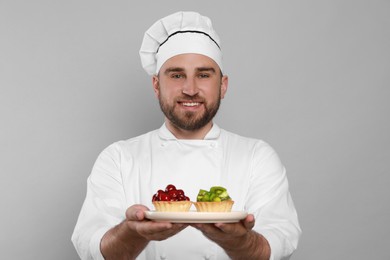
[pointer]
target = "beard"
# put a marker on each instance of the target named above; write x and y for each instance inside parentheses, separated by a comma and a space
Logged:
(189, 120)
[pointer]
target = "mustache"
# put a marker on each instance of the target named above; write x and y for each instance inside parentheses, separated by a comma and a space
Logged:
(190, 98)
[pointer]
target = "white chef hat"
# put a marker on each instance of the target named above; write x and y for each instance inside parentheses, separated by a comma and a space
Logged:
(179, 33)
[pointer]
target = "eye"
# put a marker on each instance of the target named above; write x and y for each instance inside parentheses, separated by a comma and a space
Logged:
(204, 75)
(177, 76)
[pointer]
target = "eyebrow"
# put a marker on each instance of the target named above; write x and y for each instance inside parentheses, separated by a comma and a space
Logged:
(173, 69)
(209, 69)
(179, 69)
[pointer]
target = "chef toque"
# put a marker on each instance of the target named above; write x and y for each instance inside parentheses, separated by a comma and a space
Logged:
(179, 33)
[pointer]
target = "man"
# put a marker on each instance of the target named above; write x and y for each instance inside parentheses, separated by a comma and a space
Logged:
(182, 53)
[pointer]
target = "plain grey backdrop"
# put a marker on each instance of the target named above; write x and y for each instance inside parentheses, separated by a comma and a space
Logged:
(309, 77)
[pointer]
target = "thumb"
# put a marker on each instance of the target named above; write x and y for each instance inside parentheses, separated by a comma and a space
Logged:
(249, 222)
(136, 212)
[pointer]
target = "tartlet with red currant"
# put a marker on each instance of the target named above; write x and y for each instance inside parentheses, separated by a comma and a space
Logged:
(171, 199)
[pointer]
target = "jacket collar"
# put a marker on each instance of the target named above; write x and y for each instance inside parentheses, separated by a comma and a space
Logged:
(165, 134)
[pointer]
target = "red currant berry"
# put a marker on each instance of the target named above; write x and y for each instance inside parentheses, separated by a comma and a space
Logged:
(170, 187)
(165, 197)
(159, 194)
(172, 194)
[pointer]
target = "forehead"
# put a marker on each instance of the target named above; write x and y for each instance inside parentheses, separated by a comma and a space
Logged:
(189, 62)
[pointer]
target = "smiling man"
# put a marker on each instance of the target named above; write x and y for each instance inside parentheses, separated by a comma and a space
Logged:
(182, 54)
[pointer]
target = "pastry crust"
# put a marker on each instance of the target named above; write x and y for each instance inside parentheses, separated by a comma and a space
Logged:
(172, 206)
(220, 206)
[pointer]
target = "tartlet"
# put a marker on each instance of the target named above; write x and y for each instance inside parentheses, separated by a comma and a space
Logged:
(216, 199)
(171, 200)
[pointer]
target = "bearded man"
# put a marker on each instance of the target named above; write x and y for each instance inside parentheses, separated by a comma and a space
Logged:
(182, 53)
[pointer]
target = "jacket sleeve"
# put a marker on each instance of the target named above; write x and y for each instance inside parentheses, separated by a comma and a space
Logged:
(270, 201)
(104, 205)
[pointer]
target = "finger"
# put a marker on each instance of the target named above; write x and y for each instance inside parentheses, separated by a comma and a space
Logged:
(249, 222)
(209, 229)
(228, 228)
(136, 212)
(178, 227)
(150, 227)
(160, 230)
(237, 228)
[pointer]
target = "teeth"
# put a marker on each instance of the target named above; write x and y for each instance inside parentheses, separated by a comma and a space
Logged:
(191, 104)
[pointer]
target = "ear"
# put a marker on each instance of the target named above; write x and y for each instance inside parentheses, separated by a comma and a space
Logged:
(224, 85)
(156, 86)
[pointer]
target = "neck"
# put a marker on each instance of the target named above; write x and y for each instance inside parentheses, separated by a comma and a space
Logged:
(188, 134)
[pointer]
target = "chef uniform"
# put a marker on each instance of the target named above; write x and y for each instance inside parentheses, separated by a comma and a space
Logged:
(129, 172)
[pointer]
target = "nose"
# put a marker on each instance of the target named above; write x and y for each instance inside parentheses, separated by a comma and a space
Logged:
(190, 87)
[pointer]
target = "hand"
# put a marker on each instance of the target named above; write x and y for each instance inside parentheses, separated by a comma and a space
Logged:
(130, 237)
(150, 230)
(237, 239)
(227, 233)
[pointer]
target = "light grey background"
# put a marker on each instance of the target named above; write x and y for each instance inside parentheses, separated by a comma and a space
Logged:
(309, 77)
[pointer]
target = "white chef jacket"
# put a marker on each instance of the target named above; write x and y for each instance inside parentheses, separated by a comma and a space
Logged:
(130, 172)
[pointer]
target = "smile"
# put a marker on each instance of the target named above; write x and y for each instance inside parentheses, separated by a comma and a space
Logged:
(190, 104)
